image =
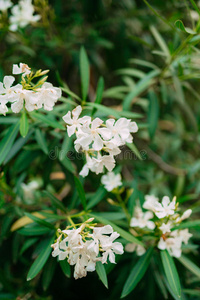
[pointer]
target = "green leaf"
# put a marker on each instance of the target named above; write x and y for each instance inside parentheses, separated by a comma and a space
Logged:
(179, 24)
(195, 6)
(98, 196)
(32, 231)
(28, 243)
(137, 273)
(85, 73)
(189, 224)
(24, 124)
(55, 201)
(65, 267)
(153, 113)
(171, 273)
(7, 141)
(105, 109)
(134, 149)
(39, 221)
(102, 273)
(161, 42)
(47, 120)
(189, 265)
(48, 273)
(140, 87)
(81, 191)
(39, 135)
(41, 259)
(99, 93)
(126, 235)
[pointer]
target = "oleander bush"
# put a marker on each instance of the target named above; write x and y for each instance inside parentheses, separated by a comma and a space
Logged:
(99, 149)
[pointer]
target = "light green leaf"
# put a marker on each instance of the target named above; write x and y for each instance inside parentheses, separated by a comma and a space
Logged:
(24, 124)
(171, 273)
(195, 6)
(189, 265)
(41, 259)
(161, 42)
(140, 87)
(137, 273)
(179, 24)
(124, 234)
(39, 135)
(134, 149)
(102, 273)
(81, 191)
(85, 73)
(7, 141)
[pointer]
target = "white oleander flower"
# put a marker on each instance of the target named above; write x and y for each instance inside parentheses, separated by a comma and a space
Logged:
(75, 122)
(166, 227)
(22, 15)
(111, 181)
(21, 69)
(83, 249)
(183, 235)
(23, 97)
(173, 245)
(141, 219)
(29, 189)
(110, 248)
(121, 130)
(150, 202)
(90, 134)
(5, 4)
(47, 96)
(131, 247)
(166, 208)
(7, 93)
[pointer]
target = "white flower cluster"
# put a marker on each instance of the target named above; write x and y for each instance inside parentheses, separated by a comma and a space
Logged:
(165, 219)
(96, 138)
(83, 248)
(22, 14)
(32, 97)
(5, 5)
(111, 181)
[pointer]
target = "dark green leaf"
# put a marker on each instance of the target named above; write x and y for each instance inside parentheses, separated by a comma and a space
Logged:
(171, 273)
(190, 265)
(153, 113)
(102, 273)
(47, 120)
(65, 267)
(55, 201)
(179, 24)
(137, 273)
(40, 138)
(7, 141)
(41, 259)
(81, 191)
(39, 221)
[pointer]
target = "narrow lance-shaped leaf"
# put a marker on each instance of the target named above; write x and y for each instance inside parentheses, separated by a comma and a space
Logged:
(123, 233)
(40, 138)
(85, 73)
(24, 124)
(137, 273)
(171, 273)
(102, 273)
(41, 259)
(65, 267)
(81, 191)
(153, 113)
(99, 95)
(190, 265)
(7, 141)
(40, 221)
(55, 201)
